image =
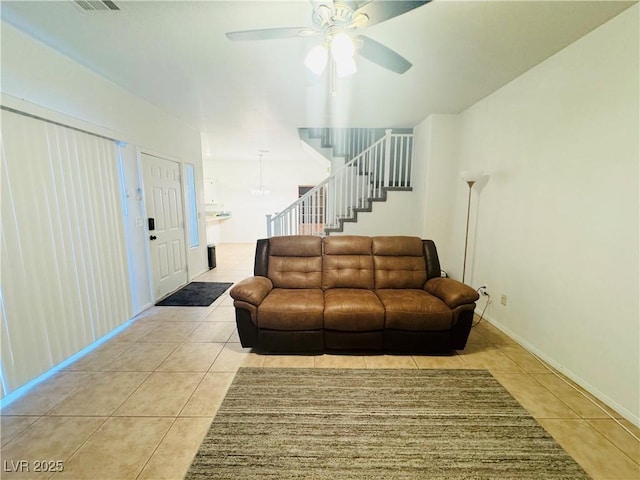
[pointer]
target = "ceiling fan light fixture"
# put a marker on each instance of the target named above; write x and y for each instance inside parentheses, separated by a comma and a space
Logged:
(260, 190)
(316, 59)
(342, 48)
(346, 67)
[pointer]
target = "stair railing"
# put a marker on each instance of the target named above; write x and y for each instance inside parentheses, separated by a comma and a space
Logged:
(348, 142)
(383, 166)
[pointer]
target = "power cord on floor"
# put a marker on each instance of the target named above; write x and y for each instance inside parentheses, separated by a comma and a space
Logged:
(485, 294)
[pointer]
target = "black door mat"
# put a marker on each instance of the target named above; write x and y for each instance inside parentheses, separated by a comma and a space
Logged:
(195, 294)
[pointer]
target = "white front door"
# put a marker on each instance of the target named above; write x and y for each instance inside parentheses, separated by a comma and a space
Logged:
(165, 222)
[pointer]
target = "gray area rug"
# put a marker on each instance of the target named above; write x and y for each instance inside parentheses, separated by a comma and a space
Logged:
(375, 424)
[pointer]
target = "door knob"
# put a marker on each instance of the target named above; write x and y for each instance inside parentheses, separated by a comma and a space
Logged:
(152, 237)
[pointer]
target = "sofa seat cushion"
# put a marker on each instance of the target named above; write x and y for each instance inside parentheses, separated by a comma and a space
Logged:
(292, 309)
(352, 310)
(412, 309)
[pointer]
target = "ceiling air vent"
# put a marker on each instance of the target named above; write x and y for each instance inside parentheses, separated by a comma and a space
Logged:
(96, 5)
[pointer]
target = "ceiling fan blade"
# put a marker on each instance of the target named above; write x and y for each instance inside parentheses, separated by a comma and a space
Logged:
(380, 10)
(271, 34)
(383, 56)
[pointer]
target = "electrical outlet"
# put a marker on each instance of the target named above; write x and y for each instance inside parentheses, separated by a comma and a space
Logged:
(483, 290)
(503, 300)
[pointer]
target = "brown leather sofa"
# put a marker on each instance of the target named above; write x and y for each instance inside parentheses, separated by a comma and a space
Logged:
(351, 293)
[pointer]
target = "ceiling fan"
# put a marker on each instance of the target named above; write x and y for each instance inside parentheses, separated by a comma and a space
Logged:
(337, 23)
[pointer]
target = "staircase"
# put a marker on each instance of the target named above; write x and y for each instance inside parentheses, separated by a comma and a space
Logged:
(365, 179)
(343, 143)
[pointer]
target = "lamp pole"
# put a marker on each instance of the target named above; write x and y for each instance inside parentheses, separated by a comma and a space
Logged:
(466, 234)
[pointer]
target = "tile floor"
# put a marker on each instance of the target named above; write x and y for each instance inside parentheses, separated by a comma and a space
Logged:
(139, 406)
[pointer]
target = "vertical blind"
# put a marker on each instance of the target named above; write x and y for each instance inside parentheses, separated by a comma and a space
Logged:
(63, 273)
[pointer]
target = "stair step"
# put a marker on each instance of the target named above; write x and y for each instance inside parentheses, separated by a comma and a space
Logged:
(368, 184)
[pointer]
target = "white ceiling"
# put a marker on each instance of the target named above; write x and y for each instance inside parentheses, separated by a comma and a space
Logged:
(251, 95)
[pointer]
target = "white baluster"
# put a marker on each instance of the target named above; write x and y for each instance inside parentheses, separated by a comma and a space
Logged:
(268, 225)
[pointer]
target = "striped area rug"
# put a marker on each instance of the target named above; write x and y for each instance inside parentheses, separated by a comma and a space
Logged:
(347, 424)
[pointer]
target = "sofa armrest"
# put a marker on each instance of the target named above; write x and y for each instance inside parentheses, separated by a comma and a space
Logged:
(252, 290)
(451, 292)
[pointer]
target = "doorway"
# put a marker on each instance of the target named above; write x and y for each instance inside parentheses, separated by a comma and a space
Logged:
(165, 224)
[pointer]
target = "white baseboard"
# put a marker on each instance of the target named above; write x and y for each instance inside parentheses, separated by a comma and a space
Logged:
(566, 372)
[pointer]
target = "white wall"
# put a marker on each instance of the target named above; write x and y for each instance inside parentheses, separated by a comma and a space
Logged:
(555, 228)
(437, 142)
(235, 179)
(393, 217)
(39, 80)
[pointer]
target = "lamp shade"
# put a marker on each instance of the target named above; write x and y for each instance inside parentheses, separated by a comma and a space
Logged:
(472, 175)
(346, 67)
(316, 59)
(342, 47)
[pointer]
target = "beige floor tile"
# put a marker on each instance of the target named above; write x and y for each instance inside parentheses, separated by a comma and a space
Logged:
(619, 435)
(177, 314)
(604, 406)
(234, 338)
(235, 274)
(574, 398)
(226, 301)
(162, 394)
(100, 358)
(254, 360)
(524, 359)
(207, 398)
(51, 439)
(231, 358)
(539, 401)
(389, 361)
(11, 426)
(288, 361)
(634, 429)
(135, 331)
(174, 455)
(49, 393)
(475, 337)
(437, 361)
(212, 332)
(191, 357)
(218, 301)
(224, 313)
(484, 356)
(123, 445)
(142, 357)
(119, 449)
(149, 316)
(102, 395)
(339, 361)
(170, 332)
(598, 456)
(493, 334)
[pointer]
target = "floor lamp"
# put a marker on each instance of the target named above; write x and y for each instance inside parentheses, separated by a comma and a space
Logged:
(471, 178)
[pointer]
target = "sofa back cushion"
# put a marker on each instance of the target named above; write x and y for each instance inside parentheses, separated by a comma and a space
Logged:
(347, 262)
(398, 262)
(295, 261)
